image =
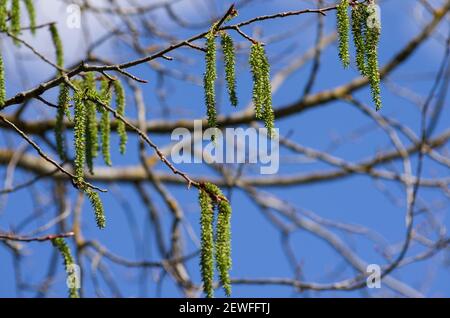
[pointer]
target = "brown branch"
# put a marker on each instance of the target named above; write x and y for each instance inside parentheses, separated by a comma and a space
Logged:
(13, 237)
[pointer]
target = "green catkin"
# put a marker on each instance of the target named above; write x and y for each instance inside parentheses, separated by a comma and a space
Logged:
(57, 43)
(372, 39)
(222, 243)
(359, 32)
(105, 92)
(3, 14)
(207, 242)
(15, 18)
(210, 77)
(91, 129)
(262, 89)
(343, 27)
(31, 15)
(63, 108)
(64, 95)
(81, 123)
(79, 135)
(223, 246)
(97, 205)
(255, 64)
(105, 123)
(268, 114)
(64, 249)
(120, 108)
(2, 83)
(230, 64)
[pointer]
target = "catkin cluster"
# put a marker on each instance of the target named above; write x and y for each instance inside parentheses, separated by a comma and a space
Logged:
(88, 103)
(210, 75)
(366, 29)
(13, 16)
(64, 249)
(88, 130)
(215, 246)
(83, 151)
(260, 67)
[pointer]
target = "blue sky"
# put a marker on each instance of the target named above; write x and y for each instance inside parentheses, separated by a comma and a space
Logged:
(257, 249)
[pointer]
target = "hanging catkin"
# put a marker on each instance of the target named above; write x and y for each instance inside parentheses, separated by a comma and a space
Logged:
(3, 14)
(262, 90)
(64, 250)
(230, 64)
(268, 114)
(57, 43)
(97, 206)
(31, 15)
(79, 135)
(91, 132)
(343, 27)
(207, 242)
(15, 17)
(120, 108)
(372, 38)
(210, 77)
(64, 94)
(63, 107)
(223, 244)
(2, 83)
(255, 64)
(359, 33)
(105, 121)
